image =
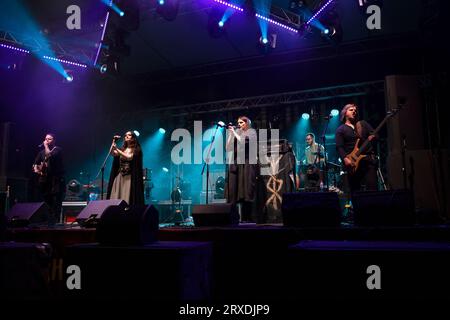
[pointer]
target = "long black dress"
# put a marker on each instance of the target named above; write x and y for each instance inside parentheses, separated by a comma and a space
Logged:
(242, 178)
(137, 182)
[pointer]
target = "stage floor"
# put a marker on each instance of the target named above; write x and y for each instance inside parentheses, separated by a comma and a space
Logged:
(250, 262)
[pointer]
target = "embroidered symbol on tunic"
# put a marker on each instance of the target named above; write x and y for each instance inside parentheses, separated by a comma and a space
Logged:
(274, 185)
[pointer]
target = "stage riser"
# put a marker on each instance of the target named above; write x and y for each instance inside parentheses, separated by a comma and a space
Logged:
(161, 271)
(24, 271)
(407, 270)
(247, 262)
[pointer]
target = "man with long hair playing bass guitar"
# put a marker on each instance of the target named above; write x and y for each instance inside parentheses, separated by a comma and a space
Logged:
(360, 163)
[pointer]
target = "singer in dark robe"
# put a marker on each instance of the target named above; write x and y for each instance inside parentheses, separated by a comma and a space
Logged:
(126, 180)
(243, 168)
(49, 168)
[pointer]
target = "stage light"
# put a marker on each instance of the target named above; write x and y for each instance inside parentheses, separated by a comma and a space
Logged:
(267, 43)
(305, 116)
(114, 7)
(74, 186)
(216, 22)
(332, 30)
(334, 113)
(136, 133)
(165, 169)
(162, 130)
(364, 4)
(103, 68)
(168, 9)
(68, 76)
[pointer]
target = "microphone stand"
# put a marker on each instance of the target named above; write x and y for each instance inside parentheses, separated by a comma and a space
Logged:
(206, 163)
(405, 184)
(325, 161)
(102, 170)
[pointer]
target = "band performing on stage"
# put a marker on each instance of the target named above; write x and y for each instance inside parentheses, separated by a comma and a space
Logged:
(307, 170)
(223, 156)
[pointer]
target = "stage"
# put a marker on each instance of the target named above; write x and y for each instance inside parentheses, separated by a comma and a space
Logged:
(247, 262)
(150, 131)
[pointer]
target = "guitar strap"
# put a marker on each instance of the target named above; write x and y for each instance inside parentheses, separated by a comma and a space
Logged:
(359, 129)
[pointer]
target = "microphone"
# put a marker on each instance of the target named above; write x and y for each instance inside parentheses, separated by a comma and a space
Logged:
(39, 146)
(116, 137)
(231, 125)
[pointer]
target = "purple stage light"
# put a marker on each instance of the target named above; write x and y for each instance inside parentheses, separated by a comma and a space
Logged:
(319, 11)
(13, 48)
(229, 5)
(65, 61)
(276, 23)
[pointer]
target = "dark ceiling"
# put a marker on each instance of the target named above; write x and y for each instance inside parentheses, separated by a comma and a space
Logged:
(159, 45)
(185, 42)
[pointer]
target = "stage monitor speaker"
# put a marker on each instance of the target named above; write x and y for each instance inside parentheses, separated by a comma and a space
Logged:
(217, 214)
(384, 208)
(92, 213)
(311, 209)
(26, 213)
(135, 225)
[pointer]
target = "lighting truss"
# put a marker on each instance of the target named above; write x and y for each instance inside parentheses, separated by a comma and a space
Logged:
(287, 98)
(32, 45)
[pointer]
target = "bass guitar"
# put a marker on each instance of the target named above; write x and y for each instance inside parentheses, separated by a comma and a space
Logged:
(357, 153)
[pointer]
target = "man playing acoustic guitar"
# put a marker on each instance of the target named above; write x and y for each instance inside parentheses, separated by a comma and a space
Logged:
(49, 167)
(360, 165)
